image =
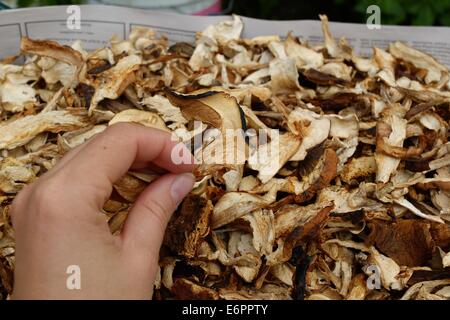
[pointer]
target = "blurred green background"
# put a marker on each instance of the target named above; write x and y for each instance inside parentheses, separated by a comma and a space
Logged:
(402, 12)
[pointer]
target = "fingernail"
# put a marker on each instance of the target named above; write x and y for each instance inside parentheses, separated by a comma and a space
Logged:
(181, 186)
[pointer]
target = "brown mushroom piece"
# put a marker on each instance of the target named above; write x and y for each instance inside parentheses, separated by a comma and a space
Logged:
(322, 78)
(316, 172)
(354, 173)
(188, 226)
(218, 109)
(51, 49)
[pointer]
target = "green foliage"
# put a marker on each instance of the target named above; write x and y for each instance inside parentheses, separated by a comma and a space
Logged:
(266, 6)
(415, 12)
(406, 12)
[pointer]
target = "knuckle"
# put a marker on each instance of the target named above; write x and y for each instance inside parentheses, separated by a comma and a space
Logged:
(20, 203)
(45, 197)
(17, 205)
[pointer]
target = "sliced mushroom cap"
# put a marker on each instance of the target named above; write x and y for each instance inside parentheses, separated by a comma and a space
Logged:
(189, 225)
(386, 164)
(234, 205)
(390, 272)
(418, 59)
(217, 109)
(283, 75)
(112, 82)
(16, 97)
(357, 168)
(270, 157)
(225, 30)
(311, 127)
(185, 289)
(146, 118)
(304, 57)
(51, 49)
(22, 130)
(335, 50)
(317, 171)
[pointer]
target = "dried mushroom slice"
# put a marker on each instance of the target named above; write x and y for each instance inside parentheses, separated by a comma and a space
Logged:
(317, 171)
(354, 173)
(185, 289)
(225, 31)
(234, 205)
(146, 118)
(311, 127)
(267, 292)
(322, 78)
(422, 290)
(361, 168)
(392, 276)
(188, 226)
(14, 175)
(304, 232)
(16, 97)
(111, 83)
(291, 216)
(269, 158)
(218, 109)
(19, 132)
(51, 49)
(409, 242)
(129, 187)
(420, 60)
(165, 109)
(304, 57)
(395, 135)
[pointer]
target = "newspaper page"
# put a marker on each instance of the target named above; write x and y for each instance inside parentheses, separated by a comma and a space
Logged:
(99, 23)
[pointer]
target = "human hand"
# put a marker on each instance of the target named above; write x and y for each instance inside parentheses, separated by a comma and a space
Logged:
(58, 220)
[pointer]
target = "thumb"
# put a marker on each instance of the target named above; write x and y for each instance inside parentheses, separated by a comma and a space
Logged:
(144, 228)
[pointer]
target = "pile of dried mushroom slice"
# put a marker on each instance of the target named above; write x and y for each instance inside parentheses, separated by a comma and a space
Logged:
(360, 188)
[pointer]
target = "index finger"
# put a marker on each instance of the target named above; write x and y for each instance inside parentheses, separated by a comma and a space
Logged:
(109, 155)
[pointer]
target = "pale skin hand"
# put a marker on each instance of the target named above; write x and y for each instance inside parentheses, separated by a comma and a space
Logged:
(58, 220)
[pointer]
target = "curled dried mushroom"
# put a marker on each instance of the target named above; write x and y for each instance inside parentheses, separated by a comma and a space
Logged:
(358, 178)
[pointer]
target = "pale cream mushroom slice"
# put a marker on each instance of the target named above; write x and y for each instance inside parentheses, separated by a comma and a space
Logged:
(270, 157)
(23, 130)
(16, 97)
(112, 82)
(52, 49)
(283, 75)
(311, 127)
(420, 60)
(392, 131)
(225, 31)
(234, 205)
(146, 118)
(304, 57)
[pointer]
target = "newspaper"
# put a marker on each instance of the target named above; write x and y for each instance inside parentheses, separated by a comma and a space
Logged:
(99, 23)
